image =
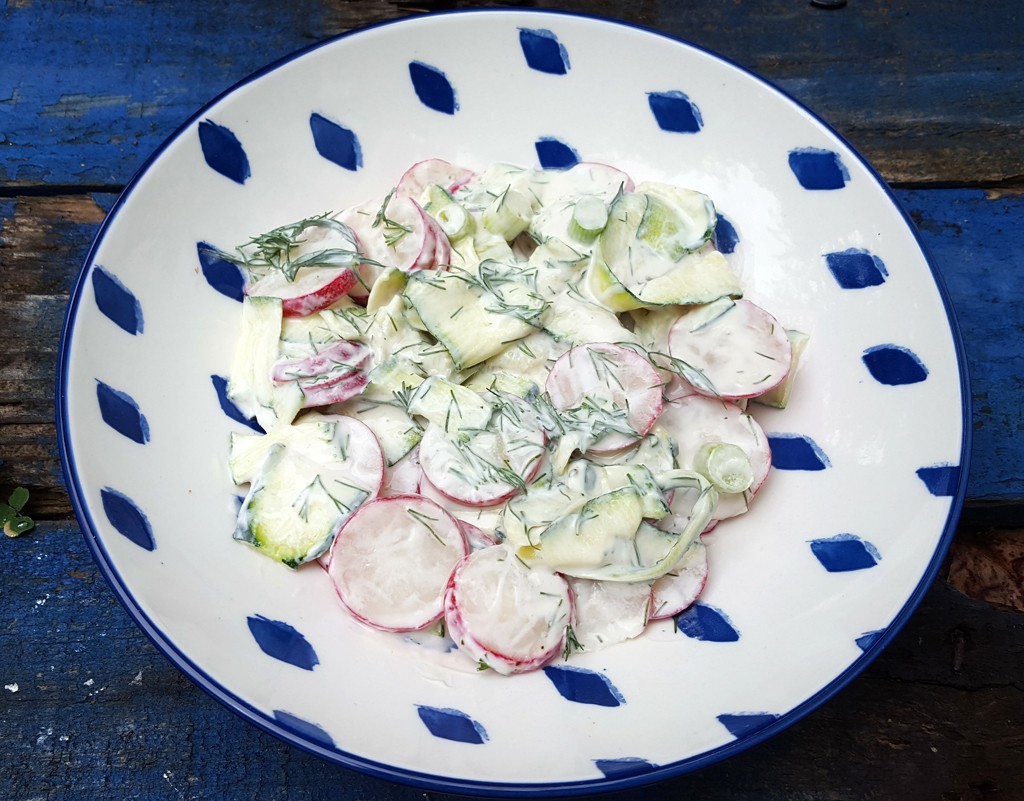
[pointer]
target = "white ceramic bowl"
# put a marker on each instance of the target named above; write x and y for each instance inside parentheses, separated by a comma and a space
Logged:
(805, 589)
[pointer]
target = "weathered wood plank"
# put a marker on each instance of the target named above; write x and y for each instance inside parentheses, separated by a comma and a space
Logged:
(911, 86)
(96, 712)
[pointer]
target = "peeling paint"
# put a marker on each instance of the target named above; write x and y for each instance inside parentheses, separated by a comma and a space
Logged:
(76, 106)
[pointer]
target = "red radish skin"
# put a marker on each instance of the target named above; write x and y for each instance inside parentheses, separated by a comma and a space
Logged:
(313, 290)
(506, 616)
(392, 560)
(611, 375)
(682, 585)
(334, 375)
(432, 172)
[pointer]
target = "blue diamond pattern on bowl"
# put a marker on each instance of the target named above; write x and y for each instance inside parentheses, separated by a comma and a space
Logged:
(816, 168)
(120, 411)
(856, 268)
(940, 479)
(797, 452)
(726, 237)
(845, 552)
(220, 386)
(741, 724)
(282, 641)
(451, 724)
(433, 87)
(303, 728)
(543, 51)
(335, 142)
(223, 152)
(584, 686)
(127, 518)
(675, 112)
(221, 274)
(869, 638)
(116, 301)
(554, 154)
(704, 622)
(894, 365)
(624, 766)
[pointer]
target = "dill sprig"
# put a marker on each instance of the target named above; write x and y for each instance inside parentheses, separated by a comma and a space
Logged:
(275, 249)
(394, 231)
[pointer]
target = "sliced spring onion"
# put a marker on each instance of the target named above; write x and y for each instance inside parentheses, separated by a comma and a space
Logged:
(589, 218)
(726, 466)
(454, 220)
(508, 215)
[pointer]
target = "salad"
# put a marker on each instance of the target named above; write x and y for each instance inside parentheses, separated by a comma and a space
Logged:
(503, 405)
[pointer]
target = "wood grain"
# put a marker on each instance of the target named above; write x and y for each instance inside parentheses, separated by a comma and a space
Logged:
(927, 98)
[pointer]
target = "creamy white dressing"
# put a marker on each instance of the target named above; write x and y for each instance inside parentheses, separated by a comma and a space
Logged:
(521, 362)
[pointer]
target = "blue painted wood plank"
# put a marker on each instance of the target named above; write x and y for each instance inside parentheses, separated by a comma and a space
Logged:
(976, 242)
(120, 76)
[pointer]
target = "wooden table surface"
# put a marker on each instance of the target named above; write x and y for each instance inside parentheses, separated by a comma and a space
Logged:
(931, 91)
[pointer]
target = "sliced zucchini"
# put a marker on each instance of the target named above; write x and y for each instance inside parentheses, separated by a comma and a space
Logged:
(463, 316)
(251, 386)
(651, 254)
(609, 539)
(779, 396)
(453, 407)
(307, 485)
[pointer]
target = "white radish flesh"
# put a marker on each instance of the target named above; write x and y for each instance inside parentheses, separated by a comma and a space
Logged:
(697, 421)
(392, 559)
(609, 612)
(507, 616)
(737, 349)
(609, 394)
(482, 469)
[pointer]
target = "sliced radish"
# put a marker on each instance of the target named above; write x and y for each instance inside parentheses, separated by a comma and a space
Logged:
(683, 584)
(432, 172)
(308, 265)
(609, 395)
(403, 477)
(312, 290)
(507, 616)
(306, 480)
(477, 522)
(609, 612)
(586, 178)
(485, 468)
(697, 421)
(730, 349)
(397, 233)
(333, 375)
(392, 560)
